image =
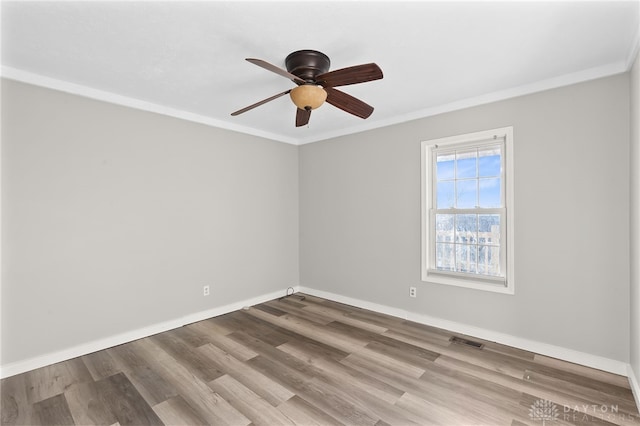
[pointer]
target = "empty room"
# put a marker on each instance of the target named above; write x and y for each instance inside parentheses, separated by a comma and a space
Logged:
(320, 213)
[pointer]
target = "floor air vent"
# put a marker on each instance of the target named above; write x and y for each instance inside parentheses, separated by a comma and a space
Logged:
(461, 341)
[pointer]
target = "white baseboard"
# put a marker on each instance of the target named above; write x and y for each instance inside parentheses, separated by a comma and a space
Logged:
(577, 357)
(635, 384)
(22, 366)
(594, 361)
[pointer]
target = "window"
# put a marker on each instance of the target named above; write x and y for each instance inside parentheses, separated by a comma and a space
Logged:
(467, 210)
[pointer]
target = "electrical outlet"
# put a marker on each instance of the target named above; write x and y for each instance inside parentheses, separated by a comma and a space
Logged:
(205, 290)
(413, 292)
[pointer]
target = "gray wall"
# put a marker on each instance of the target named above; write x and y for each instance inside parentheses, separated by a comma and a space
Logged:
(635, 218)
(360, 218)
(113, 219)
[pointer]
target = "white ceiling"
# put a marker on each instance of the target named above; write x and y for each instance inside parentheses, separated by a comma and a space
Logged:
(187, 58)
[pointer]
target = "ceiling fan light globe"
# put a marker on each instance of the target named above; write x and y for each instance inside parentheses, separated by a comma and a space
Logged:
(308, 96)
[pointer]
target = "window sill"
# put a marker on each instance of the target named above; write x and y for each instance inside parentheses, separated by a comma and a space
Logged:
(497, 285)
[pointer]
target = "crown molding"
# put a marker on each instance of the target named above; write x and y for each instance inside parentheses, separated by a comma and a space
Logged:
(551, 83)
(101, 95)
(527, 89)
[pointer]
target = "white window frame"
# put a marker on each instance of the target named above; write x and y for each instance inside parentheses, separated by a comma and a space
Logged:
(503, 284)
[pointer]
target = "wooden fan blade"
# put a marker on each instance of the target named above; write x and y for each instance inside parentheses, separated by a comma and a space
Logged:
(350, 75)
(302, 117)
(266, 65)
(257, 104)
(348, 103)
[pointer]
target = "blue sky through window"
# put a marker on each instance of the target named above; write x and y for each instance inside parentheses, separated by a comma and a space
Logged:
(469, 179)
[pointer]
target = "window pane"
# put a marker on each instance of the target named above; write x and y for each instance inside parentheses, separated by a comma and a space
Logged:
(489, 229)
(467, 194)
(489, 192)
(445, 193)
(444, 166)
(444, 228)
(445, 257)
(466, 164)
(489, 260)
(466, 258)
(489, 163)
(466, 228)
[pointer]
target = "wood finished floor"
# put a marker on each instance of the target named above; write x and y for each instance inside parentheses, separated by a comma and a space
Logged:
(313, 362)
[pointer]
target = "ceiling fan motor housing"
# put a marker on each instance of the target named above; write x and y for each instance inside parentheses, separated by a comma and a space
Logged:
(307, 64)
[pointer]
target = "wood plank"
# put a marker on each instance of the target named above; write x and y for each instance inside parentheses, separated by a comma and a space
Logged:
(189, 357)
(125, 402)
(259, 411)
(309, 329)
(297, 311)
(304, 413)
(380, 372)
(153, 388)
(393, 365)
(309, 389)
(87, 406)
(270, 309)
(294, 302)
(218, 336)
(431, 413)
(238, 320)
(232, 347)
(384, 345)
(126, 357)
(210, 326)
(581, 370)
(337, 371)
(176, 411)
(425, 332)
(100, 365)
(317, 349)
(310, 299)
(383, 320)
(405, 352)
(52, 411)
(359, 336)
(505, 350)
(280, 357)
(256, 326)
(208, 405)
(52, 380)
(262, 386)
(191, 336)
(15, 408)
(342, 317)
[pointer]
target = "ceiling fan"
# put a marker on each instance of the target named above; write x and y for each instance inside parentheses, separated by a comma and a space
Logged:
(309, 69)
